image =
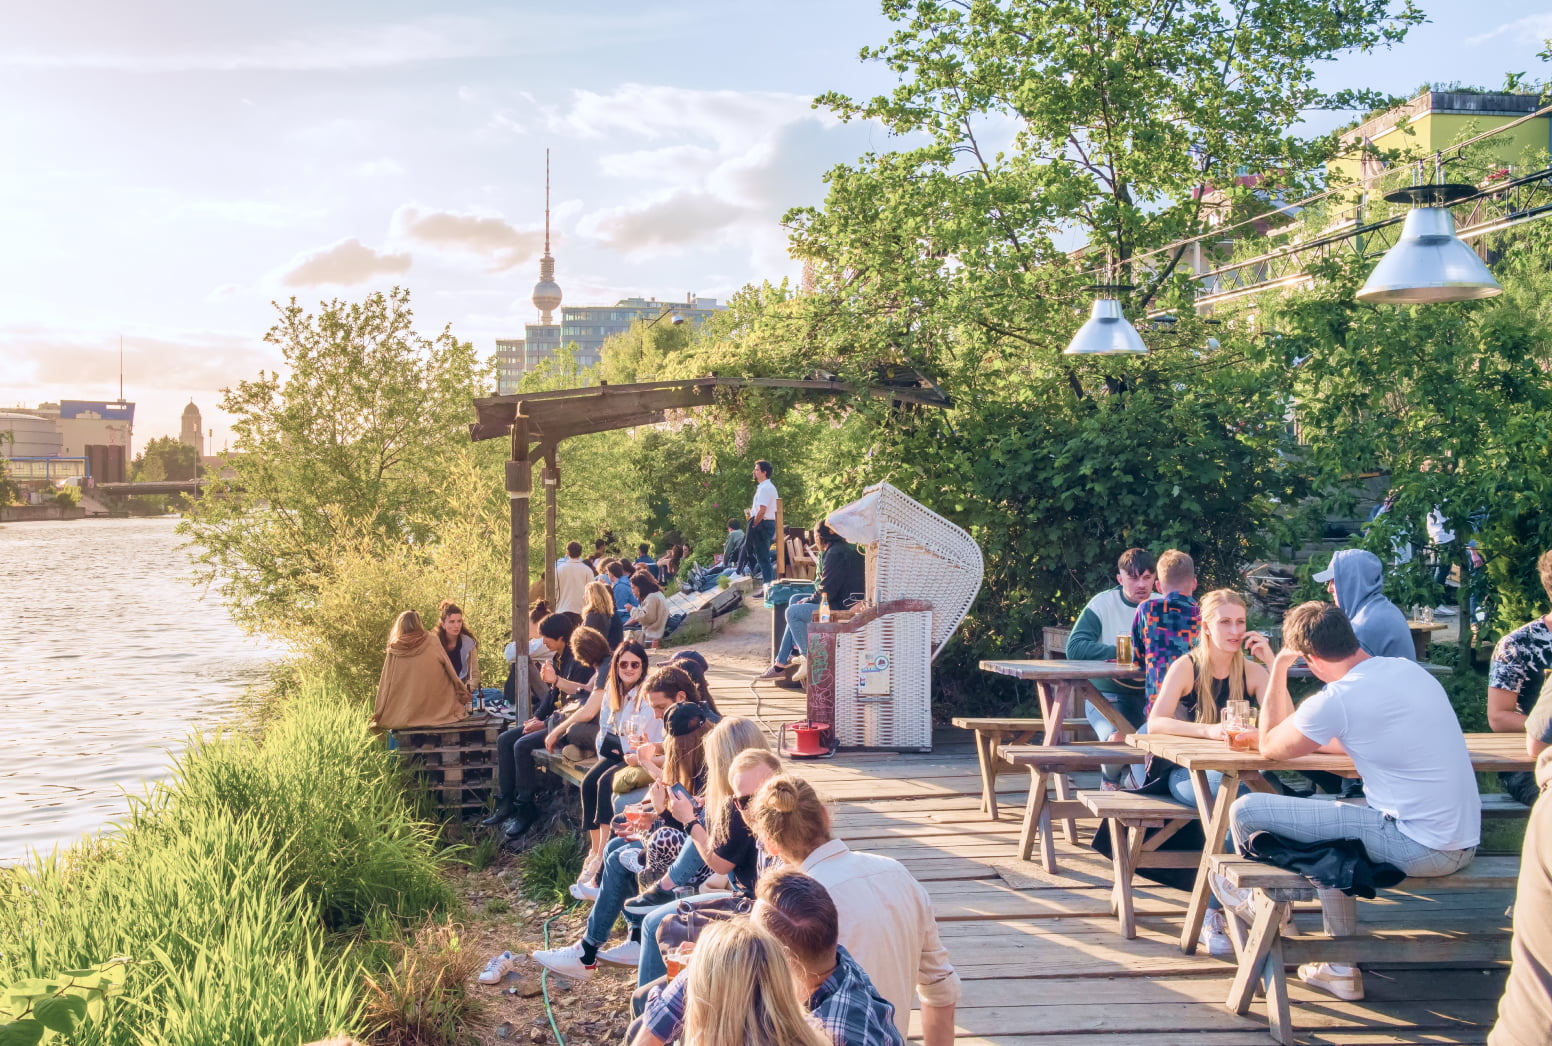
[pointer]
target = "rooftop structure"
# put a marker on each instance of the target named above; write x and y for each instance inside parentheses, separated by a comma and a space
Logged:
(1435, 120)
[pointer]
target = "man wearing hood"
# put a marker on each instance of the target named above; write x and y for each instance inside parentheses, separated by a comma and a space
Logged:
(1356, 582)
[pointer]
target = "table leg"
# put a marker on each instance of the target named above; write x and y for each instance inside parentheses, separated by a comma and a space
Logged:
(1215, 819)
(1264, 929)
(985, 754)
(1123, 861)
(1056, 701)
(1034, 813)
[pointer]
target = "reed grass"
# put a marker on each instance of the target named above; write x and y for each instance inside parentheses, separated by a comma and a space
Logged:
(253, 892)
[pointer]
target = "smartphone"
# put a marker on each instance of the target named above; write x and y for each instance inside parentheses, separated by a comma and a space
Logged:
(682, 792)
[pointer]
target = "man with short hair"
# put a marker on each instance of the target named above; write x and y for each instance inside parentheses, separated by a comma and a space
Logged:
(571, 580)
(1165, 628)
(762, 522)
(1514, 679)
(1107, 615)
(798, 912)
(1395, 722)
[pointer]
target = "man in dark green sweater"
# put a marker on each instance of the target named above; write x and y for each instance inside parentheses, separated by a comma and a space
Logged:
(1107, 615)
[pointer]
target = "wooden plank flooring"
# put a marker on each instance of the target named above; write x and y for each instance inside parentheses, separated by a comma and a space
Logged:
(1040, 956)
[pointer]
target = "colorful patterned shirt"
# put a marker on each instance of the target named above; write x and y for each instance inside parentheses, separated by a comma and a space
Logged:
(1162, 633)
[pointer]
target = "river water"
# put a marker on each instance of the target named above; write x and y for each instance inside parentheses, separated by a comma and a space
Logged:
(110, 661)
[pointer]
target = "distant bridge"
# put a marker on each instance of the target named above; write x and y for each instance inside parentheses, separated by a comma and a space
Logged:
(169, 486)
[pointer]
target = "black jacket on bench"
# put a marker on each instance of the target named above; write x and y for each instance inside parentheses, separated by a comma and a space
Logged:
(1336, 864)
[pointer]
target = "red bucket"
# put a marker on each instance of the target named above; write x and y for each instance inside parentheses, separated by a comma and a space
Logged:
(810, 739)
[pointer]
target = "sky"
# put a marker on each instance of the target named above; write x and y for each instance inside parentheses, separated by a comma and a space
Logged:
(170, 168)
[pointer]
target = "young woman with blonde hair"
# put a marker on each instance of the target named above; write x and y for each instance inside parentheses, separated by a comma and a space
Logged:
(741, 992)
(1190, 703)
(598, 612)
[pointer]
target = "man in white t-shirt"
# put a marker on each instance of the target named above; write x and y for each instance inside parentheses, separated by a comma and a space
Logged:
(1394, 721)
(762, 521)
(571, 580)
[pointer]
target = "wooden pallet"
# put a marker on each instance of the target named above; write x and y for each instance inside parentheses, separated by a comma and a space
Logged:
(456, 761)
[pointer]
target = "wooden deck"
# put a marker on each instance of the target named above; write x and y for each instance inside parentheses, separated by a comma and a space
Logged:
(1042, 960)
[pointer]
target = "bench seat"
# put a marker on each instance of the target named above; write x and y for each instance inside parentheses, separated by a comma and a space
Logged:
(993, 732)
(1265, 952)
(567, 770)
(1048, 767)
(1130, 818)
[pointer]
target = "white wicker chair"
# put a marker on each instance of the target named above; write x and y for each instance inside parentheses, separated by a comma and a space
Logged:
(922, 575)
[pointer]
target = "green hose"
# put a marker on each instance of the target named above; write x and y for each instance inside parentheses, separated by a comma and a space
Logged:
(544, 983)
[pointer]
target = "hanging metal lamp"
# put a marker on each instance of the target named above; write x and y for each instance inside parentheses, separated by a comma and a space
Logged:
(1107, 332)
(1429, 264)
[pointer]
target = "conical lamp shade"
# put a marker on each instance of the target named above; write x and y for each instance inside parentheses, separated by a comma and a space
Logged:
(1429, 264)
(1106, 333)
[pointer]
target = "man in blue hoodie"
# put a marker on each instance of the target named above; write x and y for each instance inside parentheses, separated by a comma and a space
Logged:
(1356, 581)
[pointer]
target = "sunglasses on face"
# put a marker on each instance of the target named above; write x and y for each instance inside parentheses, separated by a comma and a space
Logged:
(630, 664)
(742, 801)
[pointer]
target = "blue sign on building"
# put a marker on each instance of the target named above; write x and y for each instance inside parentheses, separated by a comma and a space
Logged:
(94, 409)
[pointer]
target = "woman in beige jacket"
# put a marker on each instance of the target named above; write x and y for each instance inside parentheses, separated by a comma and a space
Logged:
(418, 686)
(652, 614)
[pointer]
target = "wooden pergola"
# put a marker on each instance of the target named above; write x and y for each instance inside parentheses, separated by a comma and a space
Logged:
(538, 422)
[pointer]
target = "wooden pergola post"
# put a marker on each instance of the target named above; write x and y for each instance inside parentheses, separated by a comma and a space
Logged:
(781, 542)
(519, 484)
(551, 479)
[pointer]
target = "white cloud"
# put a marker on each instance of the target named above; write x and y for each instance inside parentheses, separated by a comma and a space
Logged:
(1530, 29)
(383, 167)
(500, 243)
(347, 263)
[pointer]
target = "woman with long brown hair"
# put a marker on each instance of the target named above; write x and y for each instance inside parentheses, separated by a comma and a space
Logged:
(459, 644)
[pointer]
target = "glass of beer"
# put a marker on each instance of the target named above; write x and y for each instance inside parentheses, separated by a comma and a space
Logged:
(1124, 651)
(678, 958)
(1242, 732)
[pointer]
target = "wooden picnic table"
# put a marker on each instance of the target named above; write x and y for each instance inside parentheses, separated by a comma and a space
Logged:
(1503, 752)
(1061, 684)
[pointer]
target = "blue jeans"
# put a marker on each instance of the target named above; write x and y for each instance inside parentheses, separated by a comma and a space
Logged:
(616, 885)
(652, 965)
(1104, 729)
(761, 535)
(800, 614)
(689, 868)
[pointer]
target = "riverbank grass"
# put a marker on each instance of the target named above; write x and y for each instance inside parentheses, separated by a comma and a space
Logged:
(254, 893)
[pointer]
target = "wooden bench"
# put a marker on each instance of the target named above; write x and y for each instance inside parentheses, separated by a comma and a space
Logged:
(569, 771)
(1048, 768)
(1265, 952)
(1130, 817)
(992, 733)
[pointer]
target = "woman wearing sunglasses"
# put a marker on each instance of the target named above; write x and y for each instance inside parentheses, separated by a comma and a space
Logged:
(627, 721)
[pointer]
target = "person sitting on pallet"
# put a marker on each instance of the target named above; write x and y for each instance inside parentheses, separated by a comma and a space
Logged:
(842, 581)
(418, 686)
(1514, 678)
(1191, 702)
(1107, 615)
(1394, 720)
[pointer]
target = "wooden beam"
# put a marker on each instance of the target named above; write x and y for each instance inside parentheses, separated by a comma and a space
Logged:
(519, 484)
(551, 480)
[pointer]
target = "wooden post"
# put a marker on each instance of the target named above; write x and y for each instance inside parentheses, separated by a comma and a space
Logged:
(551, 478)
(781, 543)
(519, 484)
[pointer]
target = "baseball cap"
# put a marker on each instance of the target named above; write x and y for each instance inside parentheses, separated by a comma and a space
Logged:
(1327, 574)
(684, 718)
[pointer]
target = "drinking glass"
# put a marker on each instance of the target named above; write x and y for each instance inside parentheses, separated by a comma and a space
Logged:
(1243, 739)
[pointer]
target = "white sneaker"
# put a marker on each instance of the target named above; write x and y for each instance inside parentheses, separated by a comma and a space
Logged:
(496, 970)
(1235, 898)
(1215, 935)
(584, 891)
(565, 961)
(627, 954)
(1441, 611)
(1325, 976)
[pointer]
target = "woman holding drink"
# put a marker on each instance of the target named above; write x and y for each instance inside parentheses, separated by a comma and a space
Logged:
(1209, 693)
(628, 726)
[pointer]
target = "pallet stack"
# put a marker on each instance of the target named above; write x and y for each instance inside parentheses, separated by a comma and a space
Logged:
(457, 761)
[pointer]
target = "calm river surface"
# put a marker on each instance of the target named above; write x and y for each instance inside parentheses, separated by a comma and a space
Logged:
(110, 660)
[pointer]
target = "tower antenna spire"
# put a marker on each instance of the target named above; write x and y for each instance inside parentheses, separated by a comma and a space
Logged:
(546, 293)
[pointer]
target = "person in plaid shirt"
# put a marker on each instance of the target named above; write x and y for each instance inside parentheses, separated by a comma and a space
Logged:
(797, 911)
(1165, 628)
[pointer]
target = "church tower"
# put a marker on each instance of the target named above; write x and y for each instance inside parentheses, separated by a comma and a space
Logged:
(192, 433)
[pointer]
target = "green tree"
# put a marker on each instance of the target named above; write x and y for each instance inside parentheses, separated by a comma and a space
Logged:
(348, 447)
(165, 458)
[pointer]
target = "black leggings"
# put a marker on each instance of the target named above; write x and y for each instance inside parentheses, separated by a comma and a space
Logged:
(598, 785)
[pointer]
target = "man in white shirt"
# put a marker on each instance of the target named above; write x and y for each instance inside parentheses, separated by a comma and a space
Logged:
(1394, 721)
(762, 521)
(571, 580)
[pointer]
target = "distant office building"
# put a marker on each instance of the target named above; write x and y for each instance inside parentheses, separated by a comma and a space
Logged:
(587, 327)
(191, 435)
(102, 432)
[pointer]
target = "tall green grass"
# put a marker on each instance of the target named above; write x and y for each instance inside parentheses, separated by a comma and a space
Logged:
(251, 891)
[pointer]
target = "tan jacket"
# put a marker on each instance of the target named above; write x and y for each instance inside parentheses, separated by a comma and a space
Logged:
(418, 686)
(652, 615)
